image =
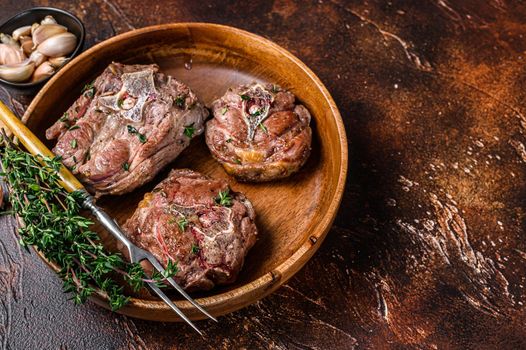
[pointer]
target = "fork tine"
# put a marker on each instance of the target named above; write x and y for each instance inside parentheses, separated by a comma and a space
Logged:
(174, 284)
(167, 300)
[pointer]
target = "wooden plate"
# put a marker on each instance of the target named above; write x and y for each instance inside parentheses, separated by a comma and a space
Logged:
(294, 215)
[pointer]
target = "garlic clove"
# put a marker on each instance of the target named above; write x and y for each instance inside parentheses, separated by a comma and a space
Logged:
(46, 31)
(34, 27)
(38, 58)
(22, 31)
(43, 71)
(26, 43)
(48, 20)
(17, 73)
(58, 62)
(10, 54)
(58, 45)
(8, 39)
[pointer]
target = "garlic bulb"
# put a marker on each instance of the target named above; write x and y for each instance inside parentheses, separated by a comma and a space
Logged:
(26, 43)
(46, 31)
(58, 45)
(43, 71)
(58, 62)
(10, 54)
(17, 72)
(48, 20)
(22, 31)
(37, 57)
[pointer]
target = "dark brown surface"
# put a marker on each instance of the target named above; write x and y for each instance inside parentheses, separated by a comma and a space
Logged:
(428, 249)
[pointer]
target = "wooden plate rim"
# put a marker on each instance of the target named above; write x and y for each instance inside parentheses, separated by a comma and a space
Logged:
(270, 281)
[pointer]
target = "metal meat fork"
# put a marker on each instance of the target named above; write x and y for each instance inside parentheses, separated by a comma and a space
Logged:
(71, 184)
(137, 255)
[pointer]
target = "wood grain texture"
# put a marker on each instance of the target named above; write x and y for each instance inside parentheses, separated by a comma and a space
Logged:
(428, 249)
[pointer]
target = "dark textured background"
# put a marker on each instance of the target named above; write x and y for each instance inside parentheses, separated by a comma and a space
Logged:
(428, 249)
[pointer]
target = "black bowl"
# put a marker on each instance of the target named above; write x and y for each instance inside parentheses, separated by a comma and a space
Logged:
(37, 14)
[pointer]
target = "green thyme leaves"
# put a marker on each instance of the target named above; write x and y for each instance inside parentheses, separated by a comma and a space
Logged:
(53, 224)
(89, 90)
(132, 130)
(189, 130)
(64, 117)
(223, 198)
(263, 127)
(179, 101)
(182, 223)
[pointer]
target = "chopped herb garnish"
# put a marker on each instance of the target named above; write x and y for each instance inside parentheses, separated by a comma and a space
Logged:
(88, 155)
(170, 270)
(245, 97)
(133, 131)
(263, 127)
(237, 161)
(87, 87)
(74, 127)
(64, 117)
(195, 249)
(182, 223)
(229, 140)
(224, 110)
(179, 101)
(120, 101)
(89, 90)
(223, 198)
(73, 143)
(189, 130)
(74, 159)
(256, 113)
(126, 166)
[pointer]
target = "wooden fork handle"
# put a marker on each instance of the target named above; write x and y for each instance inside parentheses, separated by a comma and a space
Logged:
(35, 146)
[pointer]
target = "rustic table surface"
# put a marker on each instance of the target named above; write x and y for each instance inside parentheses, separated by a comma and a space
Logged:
(428, 249)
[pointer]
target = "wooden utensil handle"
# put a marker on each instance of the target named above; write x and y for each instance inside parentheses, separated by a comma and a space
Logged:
(35, 146)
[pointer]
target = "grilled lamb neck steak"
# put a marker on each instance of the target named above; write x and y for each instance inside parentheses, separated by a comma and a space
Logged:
(126, 126)
(197, 222)
(259, 133)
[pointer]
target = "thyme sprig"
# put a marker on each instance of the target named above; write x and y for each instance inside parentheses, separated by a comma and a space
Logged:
(52, 222)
